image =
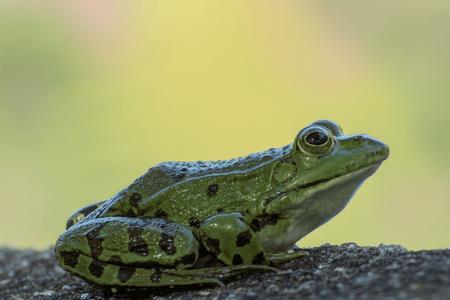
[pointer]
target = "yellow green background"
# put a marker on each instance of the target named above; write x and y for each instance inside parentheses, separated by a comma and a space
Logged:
(93, 93)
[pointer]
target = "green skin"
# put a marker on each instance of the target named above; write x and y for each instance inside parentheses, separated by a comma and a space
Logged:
(186, 223)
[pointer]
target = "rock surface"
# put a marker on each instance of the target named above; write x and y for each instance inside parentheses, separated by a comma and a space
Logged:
(329, 272)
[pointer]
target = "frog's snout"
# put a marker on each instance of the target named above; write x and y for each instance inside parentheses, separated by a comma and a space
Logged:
(385, 151)
(376, 150)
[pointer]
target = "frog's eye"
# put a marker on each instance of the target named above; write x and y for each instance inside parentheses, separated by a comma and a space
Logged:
(315, 140)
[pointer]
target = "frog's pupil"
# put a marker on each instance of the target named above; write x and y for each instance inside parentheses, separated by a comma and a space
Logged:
(316, 138)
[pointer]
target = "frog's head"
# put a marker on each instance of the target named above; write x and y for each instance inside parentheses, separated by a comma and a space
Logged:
(318, 177)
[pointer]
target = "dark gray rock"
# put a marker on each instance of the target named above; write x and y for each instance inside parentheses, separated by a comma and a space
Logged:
(329, 272)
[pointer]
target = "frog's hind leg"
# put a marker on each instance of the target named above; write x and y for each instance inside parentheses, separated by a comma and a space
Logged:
(81, 214)
(221, 273)
(127, 251)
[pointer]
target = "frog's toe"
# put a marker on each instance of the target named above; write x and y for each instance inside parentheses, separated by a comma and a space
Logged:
(279, 258)
(80, 214)
(212, 281)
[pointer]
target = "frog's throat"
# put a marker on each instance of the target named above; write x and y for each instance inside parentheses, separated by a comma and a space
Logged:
(303, 191)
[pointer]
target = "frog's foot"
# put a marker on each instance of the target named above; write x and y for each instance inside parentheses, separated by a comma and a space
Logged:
(279, 258)
(220, 273)
(81, 214)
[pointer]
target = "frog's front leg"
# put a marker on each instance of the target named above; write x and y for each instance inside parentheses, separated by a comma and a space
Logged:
(232, 240)
(122, 251)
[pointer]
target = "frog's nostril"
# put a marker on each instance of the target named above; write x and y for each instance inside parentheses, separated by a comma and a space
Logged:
(358, 138)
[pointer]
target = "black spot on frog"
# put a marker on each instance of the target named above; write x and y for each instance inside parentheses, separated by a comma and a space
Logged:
(212, 189)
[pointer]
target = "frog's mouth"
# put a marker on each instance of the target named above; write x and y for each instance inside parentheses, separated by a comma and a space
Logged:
(355, 173)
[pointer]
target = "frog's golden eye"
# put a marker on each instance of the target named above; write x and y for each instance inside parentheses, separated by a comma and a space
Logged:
(315, 140)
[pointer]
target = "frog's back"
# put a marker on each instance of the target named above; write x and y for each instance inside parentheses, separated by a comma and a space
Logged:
(167, 174)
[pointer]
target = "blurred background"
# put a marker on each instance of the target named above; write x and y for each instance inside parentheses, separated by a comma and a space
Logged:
(93, 93)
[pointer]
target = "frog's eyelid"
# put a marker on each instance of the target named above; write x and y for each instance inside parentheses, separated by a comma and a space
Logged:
(334, 127)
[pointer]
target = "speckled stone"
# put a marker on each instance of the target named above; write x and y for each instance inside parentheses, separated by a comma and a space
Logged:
(347, 271)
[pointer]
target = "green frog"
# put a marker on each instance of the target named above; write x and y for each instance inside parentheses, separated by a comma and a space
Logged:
(185, 223)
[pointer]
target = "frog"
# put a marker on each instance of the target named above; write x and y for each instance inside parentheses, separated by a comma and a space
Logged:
(205, 222)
